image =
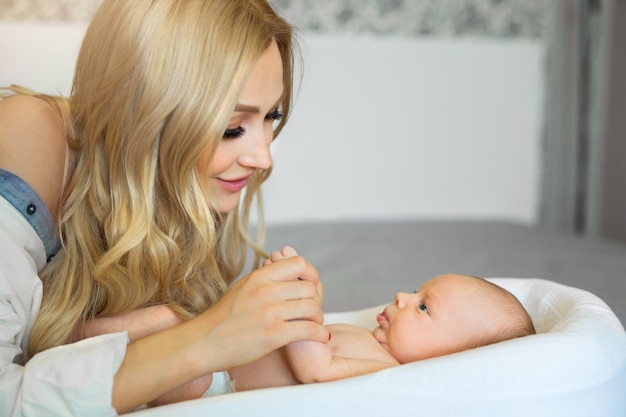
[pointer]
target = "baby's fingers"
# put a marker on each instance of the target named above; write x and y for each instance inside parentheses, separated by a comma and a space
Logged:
(276, 256)
(286, 252)
(289, 252)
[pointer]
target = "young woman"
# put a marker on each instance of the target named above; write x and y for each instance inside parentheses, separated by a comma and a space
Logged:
(173, 107)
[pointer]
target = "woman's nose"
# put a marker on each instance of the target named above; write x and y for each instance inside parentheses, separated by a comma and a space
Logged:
(257, 154)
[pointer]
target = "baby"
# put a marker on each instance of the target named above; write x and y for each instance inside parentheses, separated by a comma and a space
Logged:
(449, 314)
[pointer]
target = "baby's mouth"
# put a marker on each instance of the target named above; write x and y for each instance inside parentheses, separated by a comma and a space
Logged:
(382, 318)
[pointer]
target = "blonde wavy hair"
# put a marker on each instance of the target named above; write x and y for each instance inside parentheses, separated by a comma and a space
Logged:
(155, 85)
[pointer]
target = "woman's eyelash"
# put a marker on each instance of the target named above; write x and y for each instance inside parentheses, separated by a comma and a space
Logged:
(234, 133)
(238, 131)
(275, 115)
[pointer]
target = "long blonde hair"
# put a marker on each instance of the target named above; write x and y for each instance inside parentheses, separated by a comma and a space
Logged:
(156, 82)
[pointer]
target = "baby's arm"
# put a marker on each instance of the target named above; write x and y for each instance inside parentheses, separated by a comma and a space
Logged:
(352, 351)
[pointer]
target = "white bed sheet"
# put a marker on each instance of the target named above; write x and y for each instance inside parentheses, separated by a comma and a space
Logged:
(574, 366)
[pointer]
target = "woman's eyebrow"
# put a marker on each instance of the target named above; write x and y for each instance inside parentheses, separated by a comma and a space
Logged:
(246, 108)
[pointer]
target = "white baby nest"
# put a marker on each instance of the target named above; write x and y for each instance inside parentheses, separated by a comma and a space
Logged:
(574, 366)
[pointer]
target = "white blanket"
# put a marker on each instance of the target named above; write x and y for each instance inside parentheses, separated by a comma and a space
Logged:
(574, 366)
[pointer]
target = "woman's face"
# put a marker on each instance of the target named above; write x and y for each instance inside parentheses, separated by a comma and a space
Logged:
(245, 145)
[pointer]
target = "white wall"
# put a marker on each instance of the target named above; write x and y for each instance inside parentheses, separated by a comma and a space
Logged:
(39, 55)
(382, 127)
(412, 128)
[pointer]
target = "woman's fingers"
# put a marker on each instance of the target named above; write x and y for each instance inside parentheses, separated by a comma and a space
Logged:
(269, 308)
(289, 269)
(295, 269)
(320, 289)
(289, 300)
(296, 331)
(289, 252)
(287, 291)
(241, 335)
(291, 321)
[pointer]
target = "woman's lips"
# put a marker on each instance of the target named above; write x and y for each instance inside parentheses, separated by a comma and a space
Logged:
(233, 186)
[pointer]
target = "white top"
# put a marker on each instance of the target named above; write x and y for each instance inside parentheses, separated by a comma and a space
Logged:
(74, 379)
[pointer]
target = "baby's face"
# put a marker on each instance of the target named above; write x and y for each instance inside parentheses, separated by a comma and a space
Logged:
(438, 319)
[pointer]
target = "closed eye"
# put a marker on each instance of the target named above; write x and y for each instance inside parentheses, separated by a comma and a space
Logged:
(274, 115)
(238, 131)
(234, 133)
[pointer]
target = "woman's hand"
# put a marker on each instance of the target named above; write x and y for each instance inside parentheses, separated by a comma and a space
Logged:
(138, 323)
(271, 307)
(285, 253)
(266, 310)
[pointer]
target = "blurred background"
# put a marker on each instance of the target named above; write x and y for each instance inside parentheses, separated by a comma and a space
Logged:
(506, 110)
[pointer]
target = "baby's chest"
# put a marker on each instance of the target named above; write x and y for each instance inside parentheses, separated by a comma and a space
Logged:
(356, 343)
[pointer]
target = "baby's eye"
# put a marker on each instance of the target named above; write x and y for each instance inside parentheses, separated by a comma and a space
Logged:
(424, 308)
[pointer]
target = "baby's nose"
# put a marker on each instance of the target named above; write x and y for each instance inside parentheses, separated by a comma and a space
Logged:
(403, 299)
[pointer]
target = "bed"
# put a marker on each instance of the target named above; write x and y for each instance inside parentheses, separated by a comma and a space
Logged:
(574, 366)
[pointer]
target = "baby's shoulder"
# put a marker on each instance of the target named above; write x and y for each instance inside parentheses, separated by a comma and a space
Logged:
(356, 342)
(347, 328)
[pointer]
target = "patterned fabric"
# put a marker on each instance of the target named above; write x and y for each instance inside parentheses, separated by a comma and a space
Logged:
(491, 18)
(60, 10)
(458, 18)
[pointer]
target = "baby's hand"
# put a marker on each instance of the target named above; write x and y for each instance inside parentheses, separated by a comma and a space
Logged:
(286, 252)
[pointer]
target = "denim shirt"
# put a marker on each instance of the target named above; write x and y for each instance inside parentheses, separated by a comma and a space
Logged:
(70, 380)
(21, 196)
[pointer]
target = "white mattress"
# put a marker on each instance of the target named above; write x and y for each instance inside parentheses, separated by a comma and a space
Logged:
(574, 366)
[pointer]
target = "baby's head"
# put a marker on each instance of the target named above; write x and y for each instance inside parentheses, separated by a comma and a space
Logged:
(449, 314)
